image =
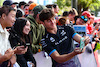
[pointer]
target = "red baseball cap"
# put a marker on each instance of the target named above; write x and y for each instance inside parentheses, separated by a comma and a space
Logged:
(86, 13)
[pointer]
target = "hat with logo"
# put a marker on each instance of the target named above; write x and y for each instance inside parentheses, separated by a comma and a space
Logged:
(37, 9)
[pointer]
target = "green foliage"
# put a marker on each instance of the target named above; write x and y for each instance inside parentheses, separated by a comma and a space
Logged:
(84, 5)
(64, 9)
(92, 5)
(95, 6)
(1, 2)
(64, 5)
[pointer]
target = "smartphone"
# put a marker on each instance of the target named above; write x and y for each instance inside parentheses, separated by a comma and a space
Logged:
(27, 44)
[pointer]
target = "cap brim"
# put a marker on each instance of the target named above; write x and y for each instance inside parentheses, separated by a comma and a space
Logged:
(15, 3)
(91, 17)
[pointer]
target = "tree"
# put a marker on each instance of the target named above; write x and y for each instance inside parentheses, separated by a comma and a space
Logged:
(64, 5)
(84, 5)
(1, 2)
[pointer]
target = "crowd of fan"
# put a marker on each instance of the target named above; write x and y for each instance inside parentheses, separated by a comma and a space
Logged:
(34, 28)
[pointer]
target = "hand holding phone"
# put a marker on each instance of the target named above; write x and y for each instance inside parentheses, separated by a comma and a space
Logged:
(20, 50)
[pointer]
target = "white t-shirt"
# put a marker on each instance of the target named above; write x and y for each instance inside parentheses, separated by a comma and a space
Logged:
(4, 42)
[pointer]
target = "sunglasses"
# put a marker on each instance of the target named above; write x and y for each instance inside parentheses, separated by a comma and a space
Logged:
(99, 29)
(84, 18)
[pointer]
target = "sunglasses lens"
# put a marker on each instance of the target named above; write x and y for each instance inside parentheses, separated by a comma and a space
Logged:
(84, 18)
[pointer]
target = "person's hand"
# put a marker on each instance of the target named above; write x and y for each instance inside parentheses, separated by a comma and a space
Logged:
(97, 26)
(86, 40)
(32, 64)
(12, 61)
(8, 29)
(8, 54)
(97, 40)
(20, 50)
(78, 50)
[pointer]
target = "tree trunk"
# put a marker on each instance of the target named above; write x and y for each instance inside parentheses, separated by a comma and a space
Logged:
(79, 9)
(85, 9)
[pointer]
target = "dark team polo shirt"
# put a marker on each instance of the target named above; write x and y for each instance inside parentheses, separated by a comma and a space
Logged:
(62, 42)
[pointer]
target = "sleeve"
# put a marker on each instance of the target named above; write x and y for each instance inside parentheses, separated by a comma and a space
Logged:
(36, 46)
(47, 46)
(71, 31)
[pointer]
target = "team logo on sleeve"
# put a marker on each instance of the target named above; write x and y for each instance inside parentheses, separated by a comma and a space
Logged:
(43, 43)
(52, 39)
(63, 33)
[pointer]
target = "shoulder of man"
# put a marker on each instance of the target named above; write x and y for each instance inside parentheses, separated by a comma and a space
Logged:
(30, 18)
(63, 27)
(42, 27)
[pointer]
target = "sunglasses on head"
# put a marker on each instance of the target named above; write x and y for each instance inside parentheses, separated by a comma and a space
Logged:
(84, 18)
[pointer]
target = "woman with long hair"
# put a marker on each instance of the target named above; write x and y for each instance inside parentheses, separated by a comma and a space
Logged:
(19, 36)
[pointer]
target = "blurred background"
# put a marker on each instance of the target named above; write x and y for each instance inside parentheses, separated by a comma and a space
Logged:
(80, 5)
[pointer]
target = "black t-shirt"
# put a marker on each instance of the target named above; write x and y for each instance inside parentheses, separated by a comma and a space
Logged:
(62, 41)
